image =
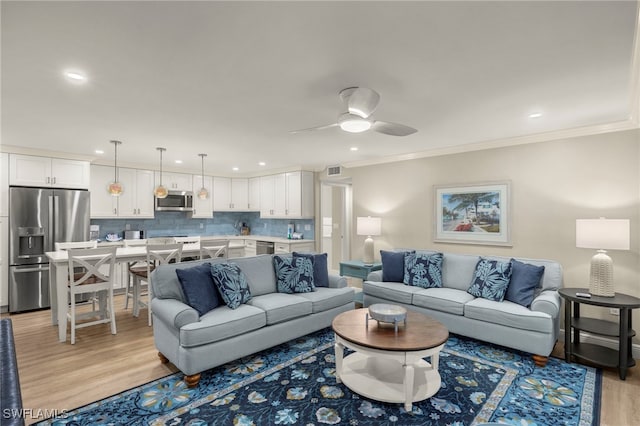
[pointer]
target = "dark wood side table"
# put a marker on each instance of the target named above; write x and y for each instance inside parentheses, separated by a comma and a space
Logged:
(357, 268)
(622, 358)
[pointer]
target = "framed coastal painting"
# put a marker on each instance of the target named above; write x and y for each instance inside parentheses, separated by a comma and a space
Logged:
(473, 214)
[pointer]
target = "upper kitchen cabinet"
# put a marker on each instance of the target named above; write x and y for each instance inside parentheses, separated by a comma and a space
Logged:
(202, 208)
(136, 200)
(4, 184)
(29, 170)
(230, 194)
(254, 194)
(287, 195)
(176, 181)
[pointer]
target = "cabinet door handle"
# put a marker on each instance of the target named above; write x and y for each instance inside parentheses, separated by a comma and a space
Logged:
(134, 211)
(48, 179)
(138, 211)
(114, 211)
(54, 179)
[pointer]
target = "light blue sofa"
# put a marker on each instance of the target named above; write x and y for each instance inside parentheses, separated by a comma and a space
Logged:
(534, 330)
(196, 343)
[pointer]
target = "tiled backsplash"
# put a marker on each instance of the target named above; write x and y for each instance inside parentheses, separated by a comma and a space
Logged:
(222, 223)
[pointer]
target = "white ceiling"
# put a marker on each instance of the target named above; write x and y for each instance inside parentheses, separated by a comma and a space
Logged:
(232, 79)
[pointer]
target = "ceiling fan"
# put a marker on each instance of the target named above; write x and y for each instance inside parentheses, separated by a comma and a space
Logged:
(360, 103)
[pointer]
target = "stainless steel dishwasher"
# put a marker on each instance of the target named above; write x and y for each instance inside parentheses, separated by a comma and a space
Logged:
(264, 247)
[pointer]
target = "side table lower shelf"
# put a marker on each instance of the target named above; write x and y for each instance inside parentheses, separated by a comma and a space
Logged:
(600, 355)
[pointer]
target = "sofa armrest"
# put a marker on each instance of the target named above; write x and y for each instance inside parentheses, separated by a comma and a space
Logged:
(173, 312)
(548, 302)
(336, 281)
(374, 276)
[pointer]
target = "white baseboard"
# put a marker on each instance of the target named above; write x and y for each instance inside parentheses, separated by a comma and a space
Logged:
(603, 341)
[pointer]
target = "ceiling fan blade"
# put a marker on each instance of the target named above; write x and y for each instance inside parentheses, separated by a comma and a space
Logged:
(363, 102)
(393, 129)
(328, 126)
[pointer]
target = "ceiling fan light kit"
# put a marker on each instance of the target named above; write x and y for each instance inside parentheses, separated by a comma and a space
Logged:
(361, 102)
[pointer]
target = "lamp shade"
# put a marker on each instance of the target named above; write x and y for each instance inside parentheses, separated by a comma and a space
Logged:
(369, 226)
(604, 234)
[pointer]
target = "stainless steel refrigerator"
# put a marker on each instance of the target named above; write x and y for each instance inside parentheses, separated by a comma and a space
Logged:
(38, 218)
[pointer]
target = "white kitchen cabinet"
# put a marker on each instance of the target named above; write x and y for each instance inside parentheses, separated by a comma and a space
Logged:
(254, 194)
(236, 252)
(287, 195)
(4, 261)
(249, 248)
(175, 181)
(230, 194)
(4, 184)
(280, 248)
(136, 200)
(103, 204)
(30, 170)
(202, 208)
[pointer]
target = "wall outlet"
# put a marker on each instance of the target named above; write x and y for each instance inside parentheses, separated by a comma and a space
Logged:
(614, 311)
(201, 225)
(127, 227)
(307, 227)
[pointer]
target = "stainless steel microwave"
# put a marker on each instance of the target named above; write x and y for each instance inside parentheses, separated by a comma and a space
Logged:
(175, 201)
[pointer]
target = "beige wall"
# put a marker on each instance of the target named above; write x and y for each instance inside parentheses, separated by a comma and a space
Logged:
(552, 185)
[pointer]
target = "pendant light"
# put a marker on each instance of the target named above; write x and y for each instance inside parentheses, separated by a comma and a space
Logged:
(115, 188)
(203, 194)
(161, 191)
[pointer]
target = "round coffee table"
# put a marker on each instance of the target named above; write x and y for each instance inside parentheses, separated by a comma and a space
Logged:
(389, 366)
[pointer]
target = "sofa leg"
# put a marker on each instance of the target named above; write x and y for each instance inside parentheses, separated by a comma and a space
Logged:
(192, 380)
(163, 359)
(540, 360)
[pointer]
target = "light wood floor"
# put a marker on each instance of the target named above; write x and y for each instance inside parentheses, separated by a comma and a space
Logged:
(60, 376)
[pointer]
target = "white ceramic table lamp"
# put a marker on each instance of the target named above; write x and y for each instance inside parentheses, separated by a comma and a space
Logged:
(369, 226)
(602, 234)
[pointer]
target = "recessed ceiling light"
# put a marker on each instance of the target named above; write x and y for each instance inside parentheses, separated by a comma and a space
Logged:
(354, 148)
(262, 163)
(235, 169)
(178, 161)
(75, 76)
(99, 151)
(535, 115)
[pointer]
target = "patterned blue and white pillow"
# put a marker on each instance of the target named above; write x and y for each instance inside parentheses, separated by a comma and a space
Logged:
(294, 274)
(423, 269)
(231, 283)
(490, 279)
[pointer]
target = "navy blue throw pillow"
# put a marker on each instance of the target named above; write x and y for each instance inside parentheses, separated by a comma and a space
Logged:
(231, 283)
(490, 279)
(525, 278)
(199, 290)
(423, 269)
(320, 268)
(393, 265)
(294, 274)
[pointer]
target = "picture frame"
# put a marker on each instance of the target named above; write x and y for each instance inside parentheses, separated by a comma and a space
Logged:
(473, 213)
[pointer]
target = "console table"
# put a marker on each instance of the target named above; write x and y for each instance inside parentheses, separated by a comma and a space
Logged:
(357, 268)
(622, 358)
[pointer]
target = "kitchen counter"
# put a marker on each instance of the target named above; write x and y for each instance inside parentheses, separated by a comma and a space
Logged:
(255, 237)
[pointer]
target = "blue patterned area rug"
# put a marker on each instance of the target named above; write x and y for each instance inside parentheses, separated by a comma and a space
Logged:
(294, 383)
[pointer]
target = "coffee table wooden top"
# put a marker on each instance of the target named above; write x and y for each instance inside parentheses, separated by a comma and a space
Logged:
(420, 333)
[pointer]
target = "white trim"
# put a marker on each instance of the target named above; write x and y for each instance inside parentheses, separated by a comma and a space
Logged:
(602, 341)
(501, 143)
(634, 84)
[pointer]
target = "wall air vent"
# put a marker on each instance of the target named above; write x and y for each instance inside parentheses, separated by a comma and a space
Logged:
(334, 171)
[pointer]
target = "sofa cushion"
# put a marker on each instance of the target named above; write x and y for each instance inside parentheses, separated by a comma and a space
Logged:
(231, 283)
(393, 265)
(165, 280)
(293, 274)
(281, 307)
(396, 292)
(448, 300)
(324, 299)
(491, 279)
(508, 313)
(423, 269)
(259, 272)
(458, 270)
(525, 278)
(320, 268)
(199, 290)
(222, 323)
